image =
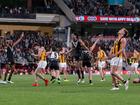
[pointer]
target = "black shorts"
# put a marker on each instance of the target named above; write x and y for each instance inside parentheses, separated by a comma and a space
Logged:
(77, 57)
(0, 66)
(54, 65)
(86, 64)
(10, 63)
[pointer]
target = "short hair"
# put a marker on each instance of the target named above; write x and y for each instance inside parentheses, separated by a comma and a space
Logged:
(75, 34)
(125, 32)
(54, 48)
(101, 47)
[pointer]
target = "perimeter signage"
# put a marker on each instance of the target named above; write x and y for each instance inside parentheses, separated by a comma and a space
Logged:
(110, 19)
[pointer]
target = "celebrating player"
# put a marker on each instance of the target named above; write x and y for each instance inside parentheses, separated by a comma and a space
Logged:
(77, 45)
(10, 58)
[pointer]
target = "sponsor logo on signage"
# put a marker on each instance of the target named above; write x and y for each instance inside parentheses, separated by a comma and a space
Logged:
(91, 18)
(80, 18)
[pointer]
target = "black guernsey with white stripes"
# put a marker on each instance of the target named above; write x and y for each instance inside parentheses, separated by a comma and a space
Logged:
(10, 55)
(77, 50)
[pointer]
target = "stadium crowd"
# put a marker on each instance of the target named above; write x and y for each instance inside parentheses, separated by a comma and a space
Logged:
(79, 7)
(23, 51)
(14, 12)
(102, 8)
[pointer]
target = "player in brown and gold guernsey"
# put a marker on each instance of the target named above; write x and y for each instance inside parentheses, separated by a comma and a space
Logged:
(101, 62)
(134, 62)
(42, 55)
(117, 59)
(63, 62)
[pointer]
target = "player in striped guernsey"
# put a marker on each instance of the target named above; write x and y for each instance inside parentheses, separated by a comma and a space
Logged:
(63, 62)
(77, 47)
(118, 51)
(42, 54)
(134, 62)
(10, 58)
(101, 62)
(54, 65)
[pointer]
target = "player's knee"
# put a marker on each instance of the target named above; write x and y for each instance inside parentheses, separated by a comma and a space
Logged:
(36, 71)
(112, 73)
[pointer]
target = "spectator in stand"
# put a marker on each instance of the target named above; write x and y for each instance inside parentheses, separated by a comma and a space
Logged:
(79, 7)
(14, 12)
(23, 51)
(101, 7)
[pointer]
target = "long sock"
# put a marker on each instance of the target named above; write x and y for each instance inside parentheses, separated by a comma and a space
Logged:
(10, 75)
(5, 75)
(0, 72)
(124, 81)
(58, 80)
(52, 78)
(41, 77)
(90, 81)
(78, 73)
(116, 84)
(82, 72)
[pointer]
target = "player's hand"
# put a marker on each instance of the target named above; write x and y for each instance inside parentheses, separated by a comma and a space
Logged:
(97, 40)
(111, 56)
(22, 34)
(100, 36)
(107, 58)
(90, 52)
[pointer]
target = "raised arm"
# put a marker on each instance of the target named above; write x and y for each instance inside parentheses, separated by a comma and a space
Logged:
(137, 52)
(15, 43)
(69, 51)
(83, 44)
(48, 53)
(93, 46)
(63, 51)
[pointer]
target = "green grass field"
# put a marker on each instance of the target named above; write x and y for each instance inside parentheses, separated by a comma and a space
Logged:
(67, 93)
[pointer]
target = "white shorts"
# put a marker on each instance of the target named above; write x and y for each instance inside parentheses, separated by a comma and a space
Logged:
(135, 65)
(42, 64)
(63, 65)
(101, 64)
(116, 61)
